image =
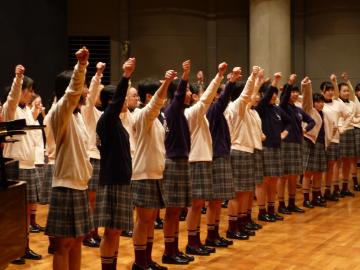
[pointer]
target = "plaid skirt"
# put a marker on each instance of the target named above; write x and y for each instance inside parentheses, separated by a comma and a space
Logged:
(258, 166)
(347, 144)
(314, 157)
(243, 170)
(45, 195)
(177, 185)
(333, 152)
(201, 180)
(69, 213)
(223, 182)
(32, 179)
(273, 163)
(292, 158)
(113, 208)
(94, 180)
(148, 193)
(357, 141)
(12, 170)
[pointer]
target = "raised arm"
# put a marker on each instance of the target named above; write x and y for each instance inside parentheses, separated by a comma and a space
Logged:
(94, 87)
(306, 89)
(333, 80)
(114, 108)
(14, 95)
(179, 96)
(353, 98)
(201, 107)
(244, 99)
(152, 109)
(287, 91)
(70, 101)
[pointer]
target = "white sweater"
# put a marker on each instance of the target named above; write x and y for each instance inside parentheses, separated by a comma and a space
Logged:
(244, 122)
(149, 135)
(91, 116)
(354, 98)
(72, 164)
(50, 140)
(308, 107)
(335, 110)
(201, 142)
(39, 146)
(24, 149)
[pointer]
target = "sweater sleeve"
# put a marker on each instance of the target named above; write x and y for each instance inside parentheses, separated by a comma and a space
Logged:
(201, 107)
(65, 107)
(177, 102)
(241, 102)
(152, 110)
(284, 101)
(113, 110)
(308, 119)
(13, 99)
(306, 89)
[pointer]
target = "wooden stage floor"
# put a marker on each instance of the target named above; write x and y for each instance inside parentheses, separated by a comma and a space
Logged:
(322, 238)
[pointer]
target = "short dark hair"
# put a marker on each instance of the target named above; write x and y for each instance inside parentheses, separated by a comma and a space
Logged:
(357, 87)
(106, 95)
(318, 97)
(147, 86)
(237, 90)
(326, 86)
(296, 88)
(194, 88)
(342, 84)
(62, 82)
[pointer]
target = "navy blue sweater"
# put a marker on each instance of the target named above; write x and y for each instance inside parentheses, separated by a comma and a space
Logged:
(297, 116)
(274, 119)
(177, 135)
(321, 136)
(115, 162)
(218, 125)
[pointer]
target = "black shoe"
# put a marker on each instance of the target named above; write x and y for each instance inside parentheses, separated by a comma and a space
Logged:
(347, 193)
(185, 256)
(18, 261)
(127, 233)
(284, 210)
(203, 210)
(276, 216)
(248, 232)
(208, 249)
(156, 266)
(224, 204)
(295, 209)
(322, 199)
(158, 224)
(51, 249)
(215, 243)
(226, 241)
(338, 194)
(138, 267)
(175, 259)
(308, 204)
(266, 217)
(357, 187)
(183, 215)
(196, 251)
(97, 238)
(237, 235)
(34, 229)
(256, 225)
(250, 226)
(331, 197)
(31, 255)
(318, 202)
(90, 242)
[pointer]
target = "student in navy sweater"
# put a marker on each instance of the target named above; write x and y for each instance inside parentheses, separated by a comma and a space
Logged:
(223, 184)
(177, 185)
(291, 148)
(275, 126)
(113, 199)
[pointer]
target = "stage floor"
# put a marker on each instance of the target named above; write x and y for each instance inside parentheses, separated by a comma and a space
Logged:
(322, 238)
